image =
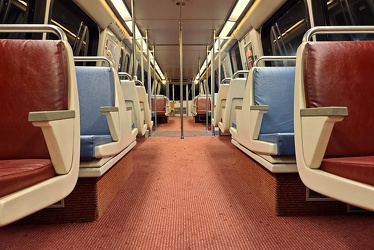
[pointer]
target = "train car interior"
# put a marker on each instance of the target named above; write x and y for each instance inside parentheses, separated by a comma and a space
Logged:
(186, 124)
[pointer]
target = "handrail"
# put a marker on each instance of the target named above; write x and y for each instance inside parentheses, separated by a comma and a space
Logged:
(224, 81)
(239, 72)
(34, 28)
(337, 30)
(125, 74)
(273, 59)
(138, 83)
(93, 59)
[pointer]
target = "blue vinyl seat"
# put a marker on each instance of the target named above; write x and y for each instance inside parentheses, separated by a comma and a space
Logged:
(96, 90)
(273, 87)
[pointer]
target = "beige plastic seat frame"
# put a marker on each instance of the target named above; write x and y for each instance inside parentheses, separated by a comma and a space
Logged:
(61, 133)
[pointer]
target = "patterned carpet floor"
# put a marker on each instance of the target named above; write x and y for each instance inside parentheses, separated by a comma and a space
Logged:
(186, 194)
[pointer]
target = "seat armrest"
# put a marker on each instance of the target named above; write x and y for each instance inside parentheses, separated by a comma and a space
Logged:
(51, 115)
(112, 116)
(259, 107)
(58, 132)
(167, 110)
(324, 111)
(316, 127)
(108, 109)
(256, 112)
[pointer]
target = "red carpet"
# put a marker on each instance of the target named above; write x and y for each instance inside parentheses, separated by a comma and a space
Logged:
(186, 194)
(174, 124)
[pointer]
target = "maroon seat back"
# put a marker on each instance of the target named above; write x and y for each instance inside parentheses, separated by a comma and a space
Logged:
(32, 78)
(160, 105)
(201, 105)
(342, 74)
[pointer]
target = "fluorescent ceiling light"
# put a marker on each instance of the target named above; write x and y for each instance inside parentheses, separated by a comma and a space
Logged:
(137, 32)
(226, 29)
(125, 14)
(234, 16)
(238, 10)
(121, 9)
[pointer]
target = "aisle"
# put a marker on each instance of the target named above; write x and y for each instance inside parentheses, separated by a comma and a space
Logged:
(186, 194)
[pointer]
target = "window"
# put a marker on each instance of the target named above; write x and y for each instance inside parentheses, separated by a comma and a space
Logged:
(350, 12)
(81, 31)
(283, 33)
(235, 58)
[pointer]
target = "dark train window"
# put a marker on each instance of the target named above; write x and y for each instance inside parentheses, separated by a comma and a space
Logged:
(283, 33)
(14, 12)
(350, 12)
(81, 31)
(235, 58)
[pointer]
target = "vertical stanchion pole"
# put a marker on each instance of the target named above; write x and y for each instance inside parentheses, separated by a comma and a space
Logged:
(181, 66)
(212, 77)
(187, 109)
(206, 90)
(149, 76)
(141, 58)
(133, 38)
(219, 61)
(154, 85)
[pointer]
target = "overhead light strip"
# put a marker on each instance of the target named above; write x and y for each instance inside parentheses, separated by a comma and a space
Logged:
(126, 16)
(229, 24)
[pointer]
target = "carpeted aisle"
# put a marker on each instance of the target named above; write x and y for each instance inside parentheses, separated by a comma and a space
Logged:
(186, 194)
(174, 124)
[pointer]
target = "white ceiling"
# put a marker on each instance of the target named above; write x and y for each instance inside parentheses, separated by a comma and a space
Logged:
(199, 19)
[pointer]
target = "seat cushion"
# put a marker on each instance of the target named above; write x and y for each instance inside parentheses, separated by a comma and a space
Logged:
(96, 89)
(274, 86)
(201, 105)
(285, 142)
(331, 79)
(89, 142)
(19, 174)
(160, 105)
(45, 80)
(233, 124)
(359, 169)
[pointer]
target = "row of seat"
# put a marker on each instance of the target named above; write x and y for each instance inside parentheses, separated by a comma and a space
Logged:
(288, 111)
(78, 124)
(201, 106)
(40, 129)
(229, 97)
(160, 105)
(264, 122)
(137, 101)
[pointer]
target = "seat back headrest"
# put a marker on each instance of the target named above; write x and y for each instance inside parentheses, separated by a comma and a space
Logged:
(34, 77)
(341, 74)
(96, 89)
(274, 86)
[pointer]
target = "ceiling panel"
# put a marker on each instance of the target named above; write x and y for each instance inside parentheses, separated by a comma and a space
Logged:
(199, 19)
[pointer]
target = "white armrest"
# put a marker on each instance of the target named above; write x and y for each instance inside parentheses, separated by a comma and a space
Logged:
(112, 116)
(316, 128)
(167, 110)
(58, 131)
(256, 114)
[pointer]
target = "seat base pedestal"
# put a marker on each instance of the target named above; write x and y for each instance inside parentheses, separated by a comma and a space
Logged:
(283, 193)
(89, 199)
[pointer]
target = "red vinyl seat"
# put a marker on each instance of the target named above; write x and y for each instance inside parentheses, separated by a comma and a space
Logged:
(39, 129)
(334, 129)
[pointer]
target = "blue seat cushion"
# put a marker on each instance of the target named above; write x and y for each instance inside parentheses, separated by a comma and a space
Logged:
(233, 124)
(285, 142)
(89, 142)
(274, 86)
(96, 89)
